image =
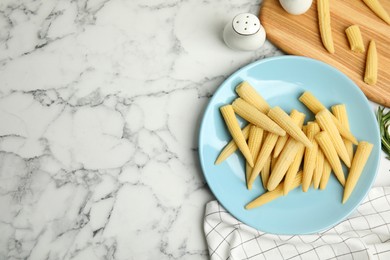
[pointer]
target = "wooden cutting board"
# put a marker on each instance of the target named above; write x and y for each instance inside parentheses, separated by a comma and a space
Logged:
(299, 35)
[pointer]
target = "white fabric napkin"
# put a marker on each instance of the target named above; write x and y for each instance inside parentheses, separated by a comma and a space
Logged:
(363, 235)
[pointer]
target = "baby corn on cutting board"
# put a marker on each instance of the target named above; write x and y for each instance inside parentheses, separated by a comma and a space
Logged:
(299, 35)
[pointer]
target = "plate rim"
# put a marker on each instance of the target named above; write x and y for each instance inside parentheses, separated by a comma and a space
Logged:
(290, 57)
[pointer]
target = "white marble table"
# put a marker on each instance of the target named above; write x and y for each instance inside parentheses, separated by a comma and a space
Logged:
(100, 103)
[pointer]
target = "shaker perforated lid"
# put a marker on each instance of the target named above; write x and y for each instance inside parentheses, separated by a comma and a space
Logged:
(246, 24)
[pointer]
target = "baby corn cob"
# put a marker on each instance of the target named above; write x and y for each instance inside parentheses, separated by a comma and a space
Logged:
(309, 161)
(325, 174)
(265, 152)
(318, 169)
(298, 118)
(283, 162)
(355, 38)
(254, 116)
(272, 195)
(340, 112)
(250, 95)
(324, 24)
(315, 106)
(265, 172)
(326, 123)
(281, 118)
(378, 9)
(363, 151)
(235, 130)
(371, 73)
(254, 144)
(294, 167)
(311, 102)
(231, 147)
(330, 153)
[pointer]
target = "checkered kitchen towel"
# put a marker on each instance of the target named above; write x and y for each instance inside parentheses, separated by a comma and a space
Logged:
(363, 235)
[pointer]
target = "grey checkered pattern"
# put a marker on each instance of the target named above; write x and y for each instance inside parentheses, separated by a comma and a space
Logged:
(363, 235)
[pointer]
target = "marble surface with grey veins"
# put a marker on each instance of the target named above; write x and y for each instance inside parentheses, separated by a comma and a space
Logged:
(100, 104)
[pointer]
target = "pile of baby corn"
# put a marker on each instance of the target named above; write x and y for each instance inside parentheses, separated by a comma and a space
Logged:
(354, 36)
(285, 152)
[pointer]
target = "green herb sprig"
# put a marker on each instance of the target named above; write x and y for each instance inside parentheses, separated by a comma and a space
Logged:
(384, 123)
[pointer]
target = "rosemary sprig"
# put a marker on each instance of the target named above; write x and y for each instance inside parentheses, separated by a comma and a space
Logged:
(384, 123)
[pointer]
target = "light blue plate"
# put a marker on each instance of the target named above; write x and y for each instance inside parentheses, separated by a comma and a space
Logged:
(281, 80)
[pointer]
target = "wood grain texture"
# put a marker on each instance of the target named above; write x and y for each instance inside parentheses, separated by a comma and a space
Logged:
(299, 35)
